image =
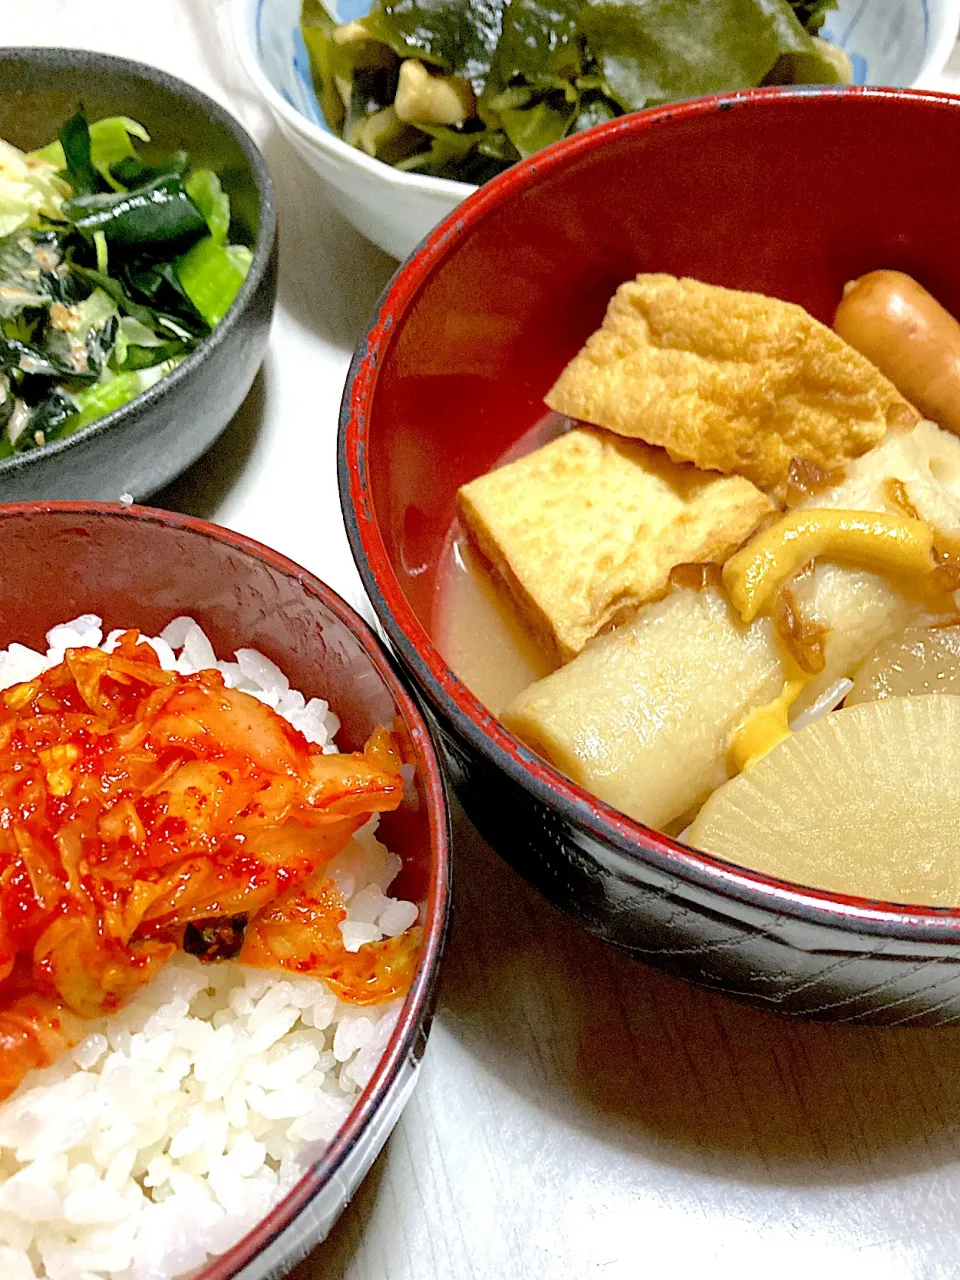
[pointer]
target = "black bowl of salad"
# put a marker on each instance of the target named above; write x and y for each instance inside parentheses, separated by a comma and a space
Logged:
(137, 274)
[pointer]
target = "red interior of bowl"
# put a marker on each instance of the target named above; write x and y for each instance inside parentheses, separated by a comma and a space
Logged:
(140, 568)
(789, 194)
(786, 192)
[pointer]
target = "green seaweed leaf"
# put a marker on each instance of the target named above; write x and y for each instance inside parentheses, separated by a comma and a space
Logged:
(46, 420)
(542, 69)
(158, 285)
(461, 36)
(317, 28)
(86, 346)
(812, 14)
(78, 162)
(530, 92)
(131, 171)
(533, 127)
(654, 51)
(152, 317)
(160, 216)
(463, 155)
(27, 262)
(537, 46)
(22, 358)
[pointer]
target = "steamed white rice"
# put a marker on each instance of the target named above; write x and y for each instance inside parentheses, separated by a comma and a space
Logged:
(180, 1121)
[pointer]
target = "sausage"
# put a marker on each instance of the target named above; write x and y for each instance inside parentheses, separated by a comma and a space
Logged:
(892, 320)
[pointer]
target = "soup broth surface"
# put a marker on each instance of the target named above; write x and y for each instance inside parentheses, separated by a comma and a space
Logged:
(479, 633)
(478, 629)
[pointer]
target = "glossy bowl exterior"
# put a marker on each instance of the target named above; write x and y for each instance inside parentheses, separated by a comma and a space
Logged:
(140, 447)
(395, 210)
(140, 568)
(894, 42)
(739, 191)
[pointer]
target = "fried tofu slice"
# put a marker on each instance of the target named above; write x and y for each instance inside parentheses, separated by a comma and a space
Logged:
(733, 382)
(587, 528)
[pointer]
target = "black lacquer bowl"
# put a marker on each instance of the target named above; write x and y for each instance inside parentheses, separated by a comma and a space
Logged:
(139, 447)
(786, 192)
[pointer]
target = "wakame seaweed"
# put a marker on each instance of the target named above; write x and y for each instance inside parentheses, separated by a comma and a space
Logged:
(148, 217)
(812, 14)
(110, 275)
(529, 72)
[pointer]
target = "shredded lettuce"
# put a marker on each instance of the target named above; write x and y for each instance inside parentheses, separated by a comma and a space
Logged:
(211, 275)
(29, 190)
(105, 397)
(138, 335)
(103, 255)
(111, 140)
(204, 189)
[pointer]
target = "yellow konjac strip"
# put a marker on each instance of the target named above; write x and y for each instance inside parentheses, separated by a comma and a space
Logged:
(869, 539)
(764, 728)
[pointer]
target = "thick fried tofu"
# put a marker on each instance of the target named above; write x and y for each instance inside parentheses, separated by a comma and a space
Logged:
(586, 529)
(733, 382)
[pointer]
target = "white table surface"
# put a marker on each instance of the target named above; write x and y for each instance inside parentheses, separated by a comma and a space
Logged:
(578, 1115)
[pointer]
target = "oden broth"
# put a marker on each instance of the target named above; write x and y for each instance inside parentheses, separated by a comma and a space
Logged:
(478, 630)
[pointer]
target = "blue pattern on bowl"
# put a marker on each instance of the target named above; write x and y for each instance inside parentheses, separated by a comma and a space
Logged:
(887, 41)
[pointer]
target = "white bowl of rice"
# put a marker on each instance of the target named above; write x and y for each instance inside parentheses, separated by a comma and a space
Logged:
(218, 1123)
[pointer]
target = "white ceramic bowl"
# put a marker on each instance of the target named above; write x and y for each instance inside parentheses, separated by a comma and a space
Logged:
(891, 42)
